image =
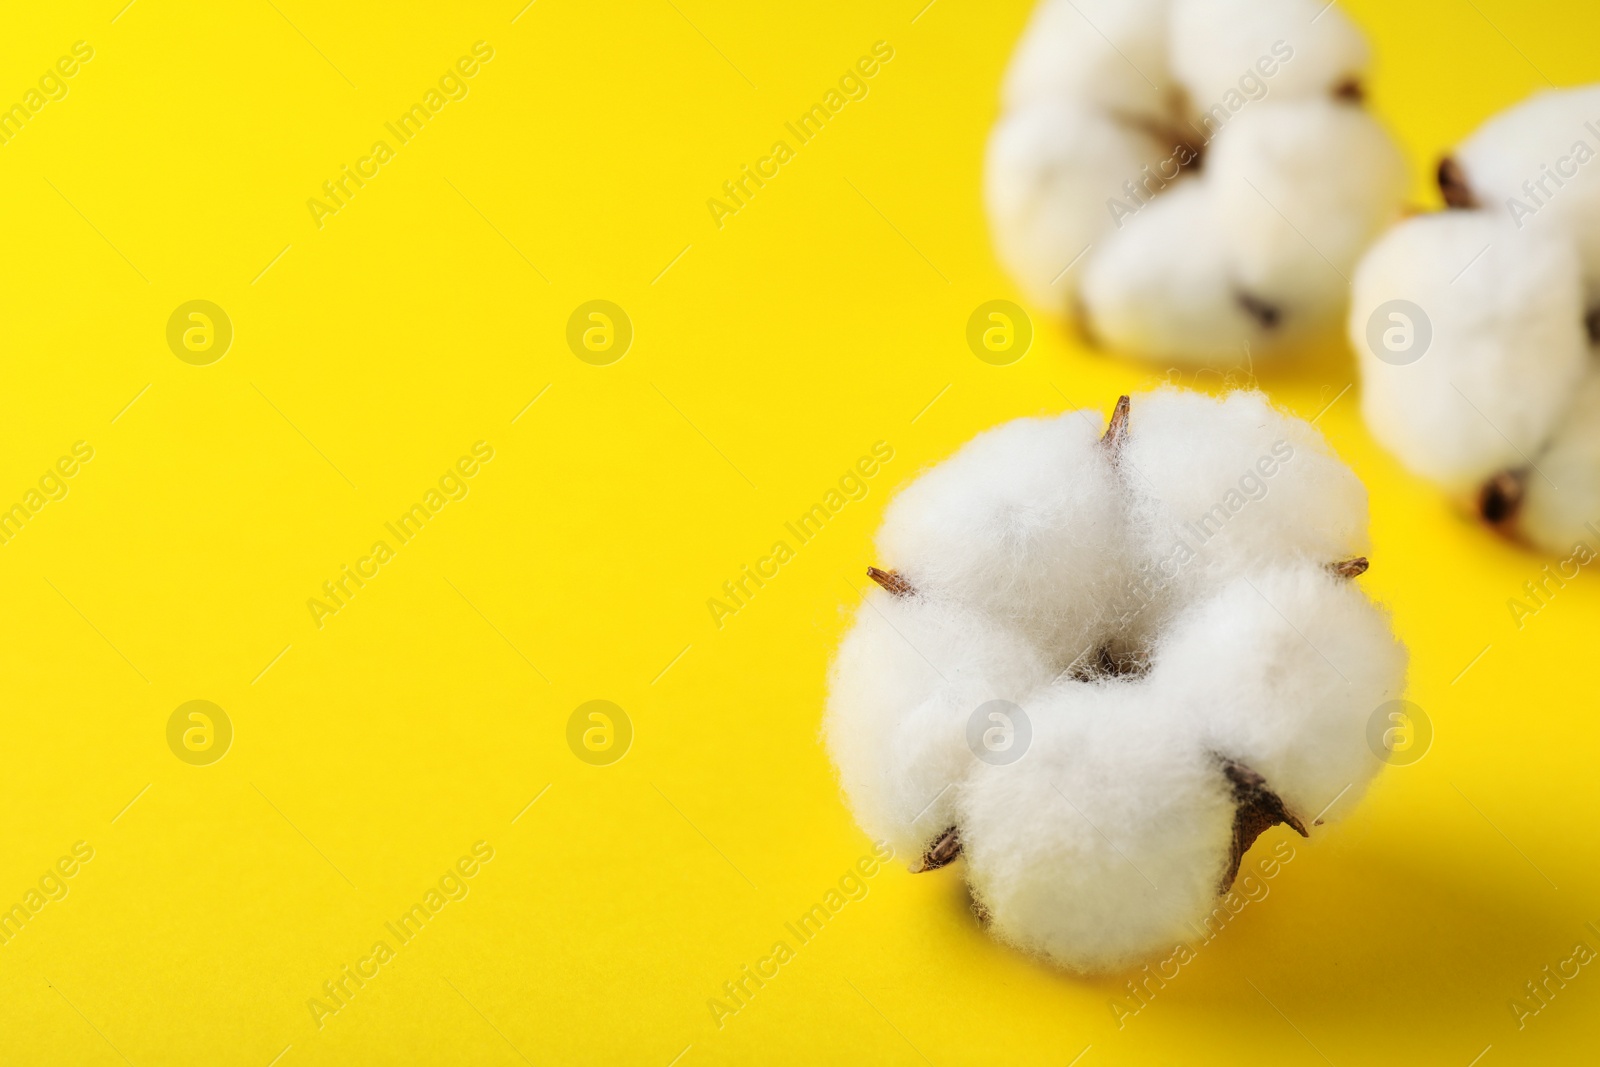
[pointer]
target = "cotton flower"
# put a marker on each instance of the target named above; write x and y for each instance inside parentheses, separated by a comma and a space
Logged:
(1496, 399)
(1097, 665)
(1189, 179)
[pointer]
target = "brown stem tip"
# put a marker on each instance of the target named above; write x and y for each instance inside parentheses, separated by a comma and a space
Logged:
(891, 581)
(1266, 315)
(1501, 498)
(1256, 810)
(1350, 89)
(1117, 429)
(944, 850)
(1453, 185)
(1350, 568)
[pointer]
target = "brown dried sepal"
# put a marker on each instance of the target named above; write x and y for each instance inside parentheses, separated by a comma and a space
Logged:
(1354, 567)
(1453, 185)
(943, 852)
(1501, 498)
(1266, 315)
(891, 581)
(1116, 434)
(1256, 810)
(1350, 89)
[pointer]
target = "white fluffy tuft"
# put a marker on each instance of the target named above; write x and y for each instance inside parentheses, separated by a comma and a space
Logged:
(1305, 186)
(1108, 54)
(1323, 658)
(1505, 311)
(1112, 838)
(1562, 503)
(1051, 168)
(1522, 166)
(1218, 487)
(1214, 42)
(1161, 285)
(1005, 524)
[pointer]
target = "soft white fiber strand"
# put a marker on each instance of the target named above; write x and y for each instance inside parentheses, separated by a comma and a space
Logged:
(1538, 165)
(904, 674)
(1108, 837)
(1162, 284)
(1219, 486)
(1507, 348)
(1214, 42)
(1006, 524)
(1051, 167)
(1108, 54)
(1305, 186)
(1323, 659)
(1561, 506)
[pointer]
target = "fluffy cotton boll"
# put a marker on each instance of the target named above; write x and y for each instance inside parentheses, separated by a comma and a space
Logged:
(1103, 805)
(1107, 838)
(1230, 52)
(1222, 486)
(1537, 164)
(1503, 314)
(1322, 660)
(1025, 523)
(1303, 186)
(1048, 175)
(1561, 498)
(909, 673)
(1160, 285)
(1109, 54)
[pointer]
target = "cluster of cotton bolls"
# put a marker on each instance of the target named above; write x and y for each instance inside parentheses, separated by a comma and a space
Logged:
(1474, 326)
(1101, 665)
(1189, 179)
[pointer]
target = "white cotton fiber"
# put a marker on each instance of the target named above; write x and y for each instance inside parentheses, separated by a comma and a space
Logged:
(1218, 487)
(905, 668)
(1005, 524)
(1323, 658)
(1561, 505)
(1311, 46)
(1505, 313)
(1161, 285)
(1112, 826)
(1109, 54)
(1111, 835)
(1305, 185)
(1538, 166)
(1052, 167)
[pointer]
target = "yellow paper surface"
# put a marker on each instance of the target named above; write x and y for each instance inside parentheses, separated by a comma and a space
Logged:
(373, 747)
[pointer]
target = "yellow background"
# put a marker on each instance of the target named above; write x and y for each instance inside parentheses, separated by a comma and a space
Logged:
(426, 714)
